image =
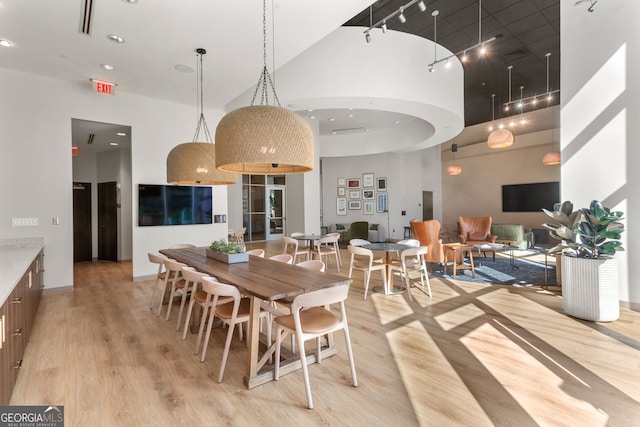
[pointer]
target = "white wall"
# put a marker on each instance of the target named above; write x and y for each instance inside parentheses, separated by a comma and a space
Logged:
(36, 165)
(477, 191)
(407, 176)
(600, 65)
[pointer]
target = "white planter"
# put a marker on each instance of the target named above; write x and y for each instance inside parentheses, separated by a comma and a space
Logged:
(590, 288)
(228, 258)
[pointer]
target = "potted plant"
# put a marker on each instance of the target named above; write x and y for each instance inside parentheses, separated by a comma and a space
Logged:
(589, 237)
(227, 252)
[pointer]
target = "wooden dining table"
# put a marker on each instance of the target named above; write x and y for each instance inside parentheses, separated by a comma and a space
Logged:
(264, 281)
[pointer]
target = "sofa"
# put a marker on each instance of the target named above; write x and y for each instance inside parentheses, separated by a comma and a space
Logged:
(516, 233)
(363, 230)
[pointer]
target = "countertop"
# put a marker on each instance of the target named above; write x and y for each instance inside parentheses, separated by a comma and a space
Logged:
(16, 255)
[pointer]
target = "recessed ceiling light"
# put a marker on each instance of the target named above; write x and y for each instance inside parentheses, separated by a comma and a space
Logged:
(396, 121)
(310, 109)
(334, 132)
(349, 115)
(113, 143)
(6, 43)
(108, 67)
(331, 119)
(366, 129)
(312, 117)
(130, 1)
(184, 68)
(115, 38)
(121, 134)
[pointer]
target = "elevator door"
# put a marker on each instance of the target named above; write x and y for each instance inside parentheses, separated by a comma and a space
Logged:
(107, 222)
(82, 236)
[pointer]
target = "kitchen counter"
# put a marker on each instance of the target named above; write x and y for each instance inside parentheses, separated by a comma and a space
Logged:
(16, 255)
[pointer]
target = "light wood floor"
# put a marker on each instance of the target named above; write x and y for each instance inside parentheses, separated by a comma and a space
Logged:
(471, 355)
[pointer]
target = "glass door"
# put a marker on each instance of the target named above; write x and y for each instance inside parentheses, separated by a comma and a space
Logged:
(275, 209)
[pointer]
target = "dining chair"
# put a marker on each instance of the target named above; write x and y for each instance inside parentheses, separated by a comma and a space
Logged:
(234, 312)
(192, 280)
(256, 252)
(286, 258)
(198, 296)
(238, 236)
(409, 242)
(310, 318)
(179, 286)
(291, 248)
(411, 260)
(172, 274)
(312, 264)
(304, 244)
(157, 259)
(336, 244)
(362, 260)
(326, 247)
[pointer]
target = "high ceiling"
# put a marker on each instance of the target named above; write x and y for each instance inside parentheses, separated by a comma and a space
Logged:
(525, 31)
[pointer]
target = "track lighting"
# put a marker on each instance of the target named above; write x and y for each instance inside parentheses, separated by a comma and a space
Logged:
(401, 17)
(367, 37)
(531, 100)
(382, 24)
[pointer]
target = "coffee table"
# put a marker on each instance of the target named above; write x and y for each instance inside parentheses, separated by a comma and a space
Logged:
(452, 250)
(498, 247)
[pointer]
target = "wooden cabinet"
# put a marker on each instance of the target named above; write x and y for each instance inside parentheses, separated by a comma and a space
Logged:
(17, 315)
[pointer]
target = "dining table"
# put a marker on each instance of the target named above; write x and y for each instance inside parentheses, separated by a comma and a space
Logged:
(263, 281)
(311, 239)
(390, 248)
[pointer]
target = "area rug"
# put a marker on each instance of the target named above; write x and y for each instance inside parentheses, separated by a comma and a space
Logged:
(524, 272)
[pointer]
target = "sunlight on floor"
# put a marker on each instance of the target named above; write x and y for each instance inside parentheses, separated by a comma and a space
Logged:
(461, 315)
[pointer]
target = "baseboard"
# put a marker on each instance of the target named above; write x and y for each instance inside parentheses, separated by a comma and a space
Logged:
(58, 290)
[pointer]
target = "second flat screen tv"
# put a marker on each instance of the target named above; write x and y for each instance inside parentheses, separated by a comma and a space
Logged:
(174, 205)
(530, 197)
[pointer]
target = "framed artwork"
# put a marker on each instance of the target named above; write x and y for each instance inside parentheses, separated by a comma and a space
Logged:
(367, 195)
(341, 191)
(353, 183)
(382, 203)
(354, 194)
(341, 206)
(381, 184)
(367, 180)
(341, 182)
(368, 208)
(355, 204)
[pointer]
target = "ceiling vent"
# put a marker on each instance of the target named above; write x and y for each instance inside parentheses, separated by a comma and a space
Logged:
(87, 17)
(91, 136)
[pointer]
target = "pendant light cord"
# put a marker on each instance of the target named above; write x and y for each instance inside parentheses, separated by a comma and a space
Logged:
(202, 123)
(265, 78)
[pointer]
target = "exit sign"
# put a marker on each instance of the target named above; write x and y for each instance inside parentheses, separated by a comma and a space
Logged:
(104, 87)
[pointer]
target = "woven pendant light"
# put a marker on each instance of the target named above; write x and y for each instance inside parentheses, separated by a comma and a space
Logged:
(454, 169)
(500, 138)
(264, 139)
(551, 158)
(195, 162)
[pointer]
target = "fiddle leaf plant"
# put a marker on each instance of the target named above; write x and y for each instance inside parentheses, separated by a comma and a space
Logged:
(227, 247)
(592, 232)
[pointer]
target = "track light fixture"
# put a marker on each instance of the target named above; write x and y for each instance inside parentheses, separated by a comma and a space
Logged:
(532, 100)
(481, 45)
(367, 37)
(398, 13)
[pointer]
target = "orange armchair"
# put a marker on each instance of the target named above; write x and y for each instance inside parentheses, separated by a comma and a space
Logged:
(428, 232)
(476, 230)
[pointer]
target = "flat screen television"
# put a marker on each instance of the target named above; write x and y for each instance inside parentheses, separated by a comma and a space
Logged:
(530, 197)
(174, 205)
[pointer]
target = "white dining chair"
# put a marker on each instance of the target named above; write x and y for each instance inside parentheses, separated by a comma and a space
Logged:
(286, 258)
(362, 260)
(291, 248)
(160, 274)
(173, 269)
(234, 312)
(412, 260)
(327, 247)
(310, 319)
(256, 252)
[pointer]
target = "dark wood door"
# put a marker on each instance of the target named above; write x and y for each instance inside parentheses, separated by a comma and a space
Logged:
(427, 205)
(107, 222)
(82, 236)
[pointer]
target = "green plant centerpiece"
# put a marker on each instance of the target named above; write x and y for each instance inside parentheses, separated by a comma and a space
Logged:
(589, 238)
(227, 252)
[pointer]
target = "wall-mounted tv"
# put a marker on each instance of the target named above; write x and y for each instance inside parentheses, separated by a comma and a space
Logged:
(530, 197)
(174, 205)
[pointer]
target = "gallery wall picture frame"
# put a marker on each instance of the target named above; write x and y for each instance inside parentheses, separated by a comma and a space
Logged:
(341, 206)
(367, 180)
(381, 184)
(355, 204)
(368, 208)
(341, 182)
(381, 205)
(354, 194)
(353, 183)
(341, 191)
(367, 195)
